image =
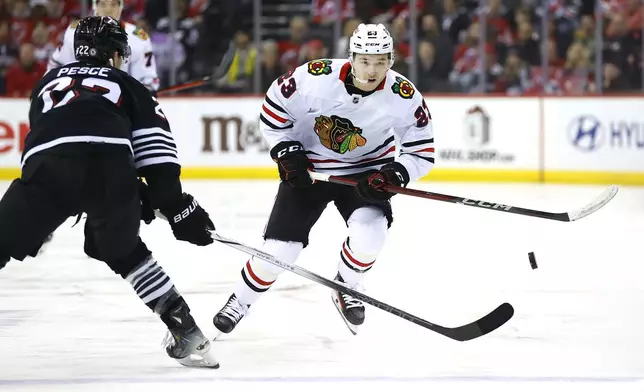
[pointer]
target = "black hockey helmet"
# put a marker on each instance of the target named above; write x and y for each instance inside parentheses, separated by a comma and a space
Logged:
(97, 38)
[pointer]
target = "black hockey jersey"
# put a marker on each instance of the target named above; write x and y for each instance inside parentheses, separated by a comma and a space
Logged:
(86, 103)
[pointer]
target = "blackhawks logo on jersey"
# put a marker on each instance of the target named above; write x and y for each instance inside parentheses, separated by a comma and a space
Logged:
(338, 134)
(403, 88)
(319, 67)
(139, 32)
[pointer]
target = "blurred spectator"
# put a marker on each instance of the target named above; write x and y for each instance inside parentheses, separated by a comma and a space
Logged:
(23, 76)
(38, 10)
(527, 44)
(40, 38)
(314, 50)
(400, 61)
(466, 55)
(289, 50)
(495, 20)
(20, 23)
(515, 78)
(430, 31)
(432, 75)
(240, 75)
(396, 9)
(586, 32)
(515, 16)
(576, 70)
(8, 52)
(553, 54)
(57, 19)
(342, 46)
(623, 48)
(613, 79)
(55, 9)
(271, 69)
(454, 21)
(399, 33)
(133, 10)
(185, 38)
(325, 12)
(634, 13)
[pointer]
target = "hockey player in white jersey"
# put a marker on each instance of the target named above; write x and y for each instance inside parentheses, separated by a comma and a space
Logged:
(340, 117)
(141, 65)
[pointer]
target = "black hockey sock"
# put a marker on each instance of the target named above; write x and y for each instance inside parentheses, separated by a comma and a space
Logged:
(153, 286)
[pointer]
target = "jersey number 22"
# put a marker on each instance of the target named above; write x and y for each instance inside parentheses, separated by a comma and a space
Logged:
(108, 89)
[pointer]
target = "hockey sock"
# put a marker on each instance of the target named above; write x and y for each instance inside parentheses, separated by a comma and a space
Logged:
(258, 276)
(367, 234)
(153, 286)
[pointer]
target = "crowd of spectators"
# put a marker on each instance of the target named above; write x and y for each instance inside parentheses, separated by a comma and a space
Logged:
(449, 54)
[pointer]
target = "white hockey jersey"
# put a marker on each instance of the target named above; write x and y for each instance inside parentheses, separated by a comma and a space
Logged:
(141, 65)
(346, 134)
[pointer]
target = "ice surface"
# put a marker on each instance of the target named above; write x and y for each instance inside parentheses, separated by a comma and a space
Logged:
(67, 323)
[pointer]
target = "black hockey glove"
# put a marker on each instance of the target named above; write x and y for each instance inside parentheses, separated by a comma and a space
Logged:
(371, 186)
(147, 212)
(3, 262)
(190, 222)
(292, 163)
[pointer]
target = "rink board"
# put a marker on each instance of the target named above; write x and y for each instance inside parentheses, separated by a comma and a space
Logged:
(490, 139)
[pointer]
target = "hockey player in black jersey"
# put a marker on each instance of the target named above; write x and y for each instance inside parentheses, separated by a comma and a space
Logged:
(94, 131)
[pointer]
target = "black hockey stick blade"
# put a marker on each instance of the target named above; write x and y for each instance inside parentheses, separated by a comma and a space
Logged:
(603, 199)
(483, 326)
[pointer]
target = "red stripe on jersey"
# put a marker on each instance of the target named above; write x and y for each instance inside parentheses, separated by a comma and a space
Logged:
(275, 116)
(430, 149)
(391, 149)
(353, 260)
(255, 277)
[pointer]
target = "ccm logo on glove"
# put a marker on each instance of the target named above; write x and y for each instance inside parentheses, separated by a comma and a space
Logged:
(289, 149)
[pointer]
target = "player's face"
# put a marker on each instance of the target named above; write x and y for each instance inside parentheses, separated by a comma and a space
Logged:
(370, 67)
(109, 8)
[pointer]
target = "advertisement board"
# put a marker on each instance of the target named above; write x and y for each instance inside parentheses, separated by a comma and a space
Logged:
(594, 138)
(486, 138)
(477, 139)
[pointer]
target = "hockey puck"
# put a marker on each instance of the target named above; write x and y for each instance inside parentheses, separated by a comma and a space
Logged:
(533, 260)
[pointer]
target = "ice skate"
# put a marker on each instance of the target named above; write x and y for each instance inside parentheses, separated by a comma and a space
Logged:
(227, 318)
(185, 342)
(350, 308)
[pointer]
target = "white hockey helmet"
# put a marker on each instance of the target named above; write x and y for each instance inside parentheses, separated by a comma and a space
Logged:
(371, 39)
(120, 12)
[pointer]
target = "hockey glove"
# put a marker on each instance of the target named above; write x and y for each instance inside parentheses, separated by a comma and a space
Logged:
(292, 163)
(190, 222)
(4, 261)
(371, 186)
(147, 212)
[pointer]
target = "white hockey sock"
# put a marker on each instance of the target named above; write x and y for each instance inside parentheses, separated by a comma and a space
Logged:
(257, 276)
(152, 285)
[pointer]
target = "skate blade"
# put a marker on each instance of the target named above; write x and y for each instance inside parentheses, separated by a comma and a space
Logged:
(352, 328)
(207, 360)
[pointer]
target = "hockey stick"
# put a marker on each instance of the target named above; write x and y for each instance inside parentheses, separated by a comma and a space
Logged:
(476, 329)
(185, 86)
(220, 71)
(588, 209)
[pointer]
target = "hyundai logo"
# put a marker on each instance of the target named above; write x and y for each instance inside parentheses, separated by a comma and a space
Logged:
(586, 133)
